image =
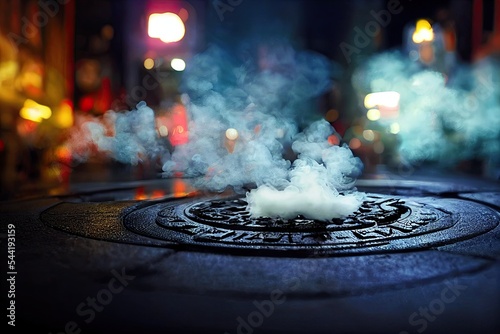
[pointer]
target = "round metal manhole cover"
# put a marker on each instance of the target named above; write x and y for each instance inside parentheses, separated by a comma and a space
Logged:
(382, 223)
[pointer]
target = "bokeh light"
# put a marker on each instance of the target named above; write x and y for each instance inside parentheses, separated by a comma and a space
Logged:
(168, 27)
(373, 114)
(395, 128)
(354, 143)
(178, 64)
(369, 135)
(149, 63)
(231, 134)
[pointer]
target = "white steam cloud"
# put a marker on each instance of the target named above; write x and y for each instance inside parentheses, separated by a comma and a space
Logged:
(442, 118)
(129, 137)
(313, 184)
(267, 101)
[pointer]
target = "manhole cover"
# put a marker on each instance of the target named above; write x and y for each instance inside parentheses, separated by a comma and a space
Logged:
(382, 223)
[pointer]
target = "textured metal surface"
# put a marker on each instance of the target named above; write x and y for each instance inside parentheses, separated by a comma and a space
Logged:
(382, 223)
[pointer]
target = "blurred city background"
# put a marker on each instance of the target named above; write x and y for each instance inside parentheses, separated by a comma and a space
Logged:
(65, 63)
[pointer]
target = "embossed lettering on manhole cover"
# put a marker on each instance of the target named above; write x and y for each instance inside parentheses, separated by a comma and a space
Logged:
(382, 223)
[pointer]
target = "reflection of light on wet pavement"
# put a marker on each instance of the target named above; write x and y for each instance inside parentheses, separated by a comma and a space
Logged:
(179, 188)
(176, 188)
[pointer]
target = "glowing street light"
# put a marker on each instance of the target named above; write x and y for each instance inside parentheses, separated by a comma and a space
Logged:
(231, 134)
(230, 142)
(168, 27)
(35, 112)
(423, 32)
(149, 63)
(386, 99)
(178, 64)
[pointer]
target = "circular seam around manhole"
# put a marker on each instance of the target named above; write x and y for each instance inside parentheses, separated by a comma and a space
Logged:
(383, 223)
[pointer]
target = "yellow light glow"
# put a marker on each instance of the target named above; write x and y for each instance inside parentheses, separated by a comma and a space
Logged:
(387, 99)
(369, 135)
(35, 112)
(423, 32)
(168, 27)
(64, 116)
(30, 114)
(373, 114)
(149, 63)
(395, 128)
(231, 134)
(178, 64)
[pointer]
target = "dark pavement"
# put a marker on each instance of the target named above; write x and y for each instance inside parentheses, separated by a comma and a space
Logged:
(81, 269)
